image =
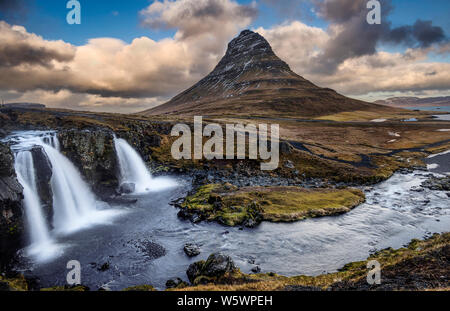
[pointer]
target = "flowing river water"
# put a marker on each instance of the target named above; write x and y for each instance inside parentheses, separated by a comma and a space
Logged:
(143, 242)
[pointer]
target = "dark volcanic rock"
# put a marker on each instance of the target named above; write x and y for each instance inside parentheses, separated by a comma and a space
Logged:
(175, 283)
(437, 183)
(11, 212)
(42, 163)
(192, 249)
(216, 266)
(127, 188)
(94, 154)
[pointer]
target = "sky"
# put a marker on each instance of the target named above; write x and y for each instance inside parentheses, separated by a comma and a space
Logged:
(127, 56)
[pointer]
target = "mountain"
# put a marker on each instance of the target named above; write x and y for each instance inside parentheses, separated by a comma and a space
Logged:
(415, 101)
(251, 80)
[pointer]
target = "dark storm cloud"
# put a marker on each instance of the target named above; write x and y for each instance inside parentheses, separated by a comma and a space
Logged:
(358, 38)
(22, 53)
(422, 34)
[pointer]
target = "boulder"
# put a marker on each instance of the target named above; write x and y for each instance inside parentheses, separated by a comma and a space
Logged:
(192, 249)
(127, 188)
(216, 266)
(175, 283)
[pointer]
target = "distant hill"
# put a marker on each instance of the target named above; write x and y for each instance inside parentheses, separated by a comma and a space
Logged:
(251, 80)
(23, 105)
(415, 101)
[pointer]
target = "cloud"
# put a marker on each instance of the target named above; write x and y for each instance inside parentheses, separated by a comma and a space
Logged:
(353, 37)
(198, 17)
(108, 70)
(108, 74)
(301, 45)
(19, 47)
(422, 33)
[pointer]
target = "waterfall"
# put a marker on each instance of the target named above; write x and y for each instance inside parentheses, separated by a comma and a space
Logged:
(73, 201)
(74, 205)
(36, 224)
(133, 169)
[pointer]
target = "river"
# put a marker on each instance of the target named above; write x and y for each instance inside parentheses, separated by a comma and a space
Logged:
(144, 243)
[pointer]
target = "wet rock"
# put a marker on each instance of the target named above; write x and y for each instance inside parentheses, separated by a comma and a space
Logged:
(437, 183)
(192, 249)
(93, 152)
(43, 180)
(11, 211)
(250, 223)
(417, 189)
(149, 249)
(177, 203)
(127, 188)
(120, 200)
(194, 270)
(216, 266)
(195, 218)
(175, 283)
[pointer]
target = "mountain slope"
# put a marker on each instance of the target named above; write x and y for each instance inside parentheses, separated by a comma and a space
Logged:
(415, 101)
(251, 80)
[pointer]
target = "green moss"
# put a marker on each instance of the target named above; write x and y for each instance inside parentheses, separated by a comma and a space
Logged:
(401, 261)
(18, 283)
(232, 206)
(75, 288)
(140, 288)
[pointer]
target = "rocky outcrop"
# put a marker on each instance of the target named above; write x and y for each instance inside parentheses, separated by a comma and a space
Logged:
(43, 180)
(437, 183)
(192, 249)
(94, 154)
(145, 136)
(212, 270)
(11, 212)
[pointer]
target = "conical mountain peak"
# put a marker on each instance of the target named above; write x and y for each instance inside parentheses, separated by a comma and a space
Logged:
(251, 80)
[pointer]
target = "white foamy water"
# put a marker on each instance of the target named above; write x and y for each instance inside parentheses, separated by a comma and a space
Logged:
(134, 171)
(42, 246)
(74, 205)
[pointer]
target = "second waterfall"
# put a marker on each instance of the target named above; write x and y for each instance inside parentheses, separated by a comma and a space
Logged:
(133, 170)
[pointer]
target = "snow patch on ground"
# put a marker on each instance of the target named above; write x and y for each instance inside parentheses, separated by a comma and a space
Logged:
(394, 134)
(378, 120)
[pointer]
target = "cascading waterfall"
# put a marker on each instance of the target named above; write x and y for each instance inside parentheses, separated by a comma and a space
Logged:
(41, 243)
(73, 200)
(134, 171)
(74, 205)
